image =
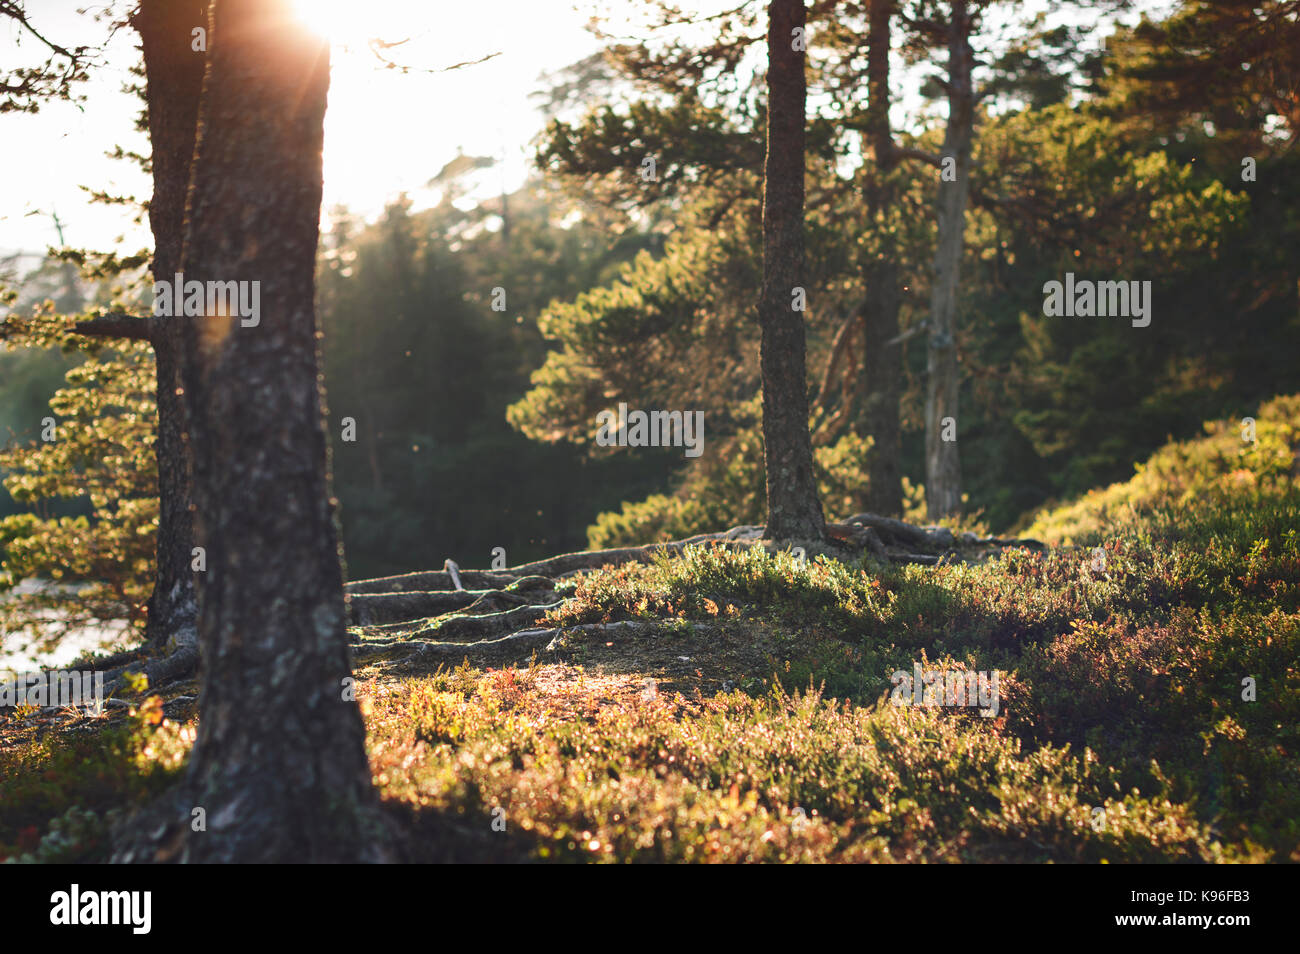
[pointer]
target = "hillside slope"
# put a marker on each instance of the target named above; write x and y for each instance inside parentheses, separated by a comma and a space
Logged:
(738, 705)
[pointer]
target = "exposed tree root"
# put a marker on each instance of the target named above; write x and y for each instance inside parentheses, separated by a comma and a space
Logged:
(488, 626)
(515, 646)
(368, 609)
(181, 663)
(484, 650)
(897, 532)
(432, 580)
(737, 538)
(496, 617)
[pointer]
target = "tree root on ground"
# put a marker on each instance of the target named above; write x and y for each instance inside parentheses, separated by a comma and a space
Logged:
(482, 623)
(433, 580)
(369, 609)
(514, 646)
(460, 628)
(495, 614)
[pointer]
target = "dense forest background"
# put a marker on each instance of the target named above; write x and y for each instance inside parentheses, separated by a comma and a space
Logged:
(473, 408)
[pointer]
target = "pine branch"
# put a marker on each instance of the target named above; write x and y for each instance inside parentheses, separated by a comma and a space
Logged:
(117, 325)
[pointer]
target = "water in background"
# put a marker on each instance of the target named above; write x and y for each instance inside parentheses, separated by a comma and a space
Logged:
(17, 658)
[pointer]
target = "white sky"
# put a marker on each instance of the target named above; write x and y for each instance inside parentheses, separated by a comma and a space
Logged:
(385, 133)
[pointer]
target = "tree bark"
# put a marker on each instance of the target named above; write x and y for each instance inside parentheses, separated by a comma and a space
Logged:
(942, 464)
(280, 764)
(882, 362)
(174, 84)
(883, 391)
(793, 510)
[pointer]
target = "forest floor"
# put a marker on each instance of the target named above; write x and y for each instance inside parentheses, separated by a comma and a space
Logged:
(723, 702)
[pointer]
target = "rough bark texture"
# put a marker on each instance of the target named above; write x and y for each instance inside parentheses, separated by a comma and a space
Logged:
(942, 464)
(793, 510)
(174, 85)
(883, 390)
(881, 362)
(280, 764)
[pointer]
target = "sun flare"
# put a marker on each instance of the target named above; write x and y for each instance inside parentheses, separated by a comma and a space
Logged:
(343, 21)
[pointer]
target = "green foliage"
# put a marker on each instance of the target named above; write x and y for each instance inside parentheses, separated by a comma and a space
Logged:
(1220, 466)
(1137, 663)
(1122, 733)
(693, 144)
(778, 778)
(62, 792)
(665, 334)
(415, 353)
(1087, 397)
(656, 519)
(100, 564)
(1076, 181)
(728, 490)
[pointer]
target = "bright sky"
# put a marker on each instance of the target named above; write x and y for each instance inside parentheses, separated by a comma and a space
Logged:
(385, 133)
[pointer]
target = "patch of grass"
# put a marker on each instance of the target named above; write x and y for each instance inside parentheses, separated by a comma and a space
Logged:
(60, 790)
(780, 778)
(1223, 465)
(1149, 710)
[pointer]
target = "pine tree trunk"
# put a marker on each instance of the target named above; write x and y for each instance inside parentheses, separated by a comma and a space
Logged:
(882, 362)
(793, 510)
(942, 464)
(881, 366)
(280, 764)
(174, 85)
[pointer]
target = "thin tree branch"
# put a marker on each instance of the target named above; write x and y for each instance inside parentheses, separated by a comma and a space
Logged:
(117, 325)
(907, 152)
(377, 45)
(914, 330)
(843, 338)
